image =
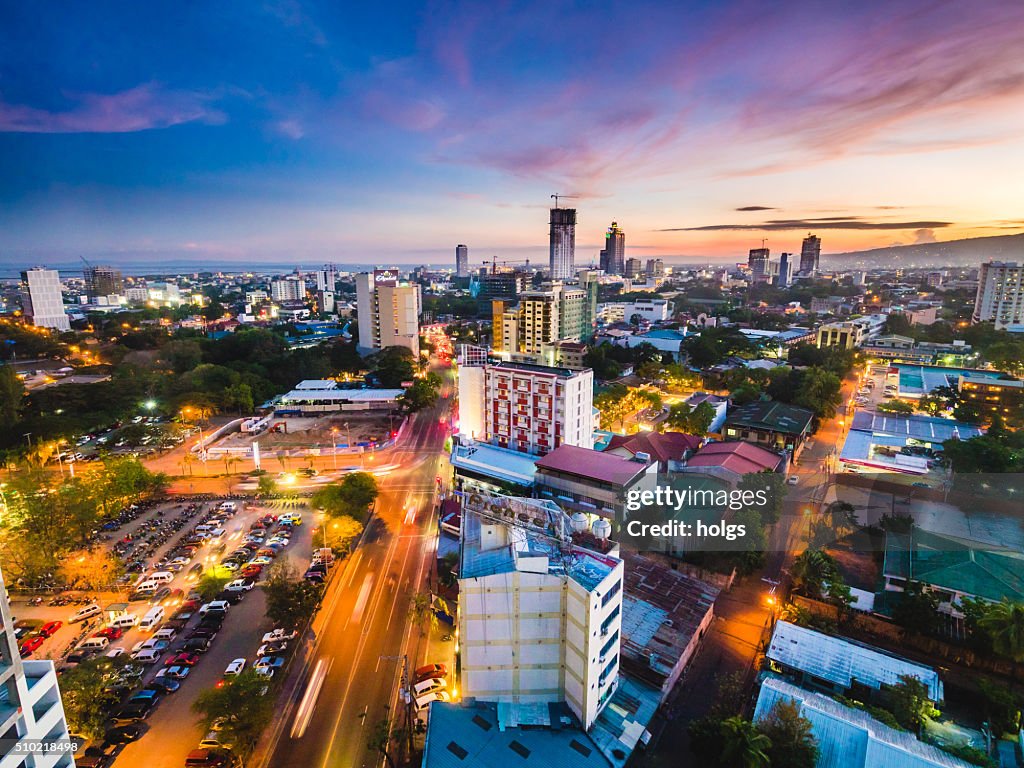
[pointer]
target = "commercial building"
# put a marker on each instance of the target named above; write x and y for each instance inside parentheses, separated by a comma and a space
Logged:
(539, 616)
(542, 318)
(483, 468)
(904, 349)
(651, 310)
(102, 281)
(1000, 297)
(785, 276)
(914, 381)
(528, 408)
(759, 264)
(772, 425)
(992, 395)
(613, 255)
(30, 704)
(810, 255)
(315, 396)
(634, 269)
(850, 334)
(655, 268)
(461, 260)
(878, 442)
(41, 299)
(289, 289)
(326, 279)
(562, 243)
(592, 482)
(389, 311)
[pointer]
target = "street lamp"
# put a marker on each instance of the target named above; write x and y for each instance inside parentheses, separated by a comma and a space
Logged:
(334, 446)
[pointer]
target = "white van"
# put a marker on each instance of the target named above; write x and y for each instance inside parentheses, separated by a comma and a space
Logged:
(147, 586)
(125, 621)
(95, 644)
(428, 686)
(151, 619)
(147, 656)
(427, 699)
(216, 535)
(166, 633)
(85, 613)
(161, 577)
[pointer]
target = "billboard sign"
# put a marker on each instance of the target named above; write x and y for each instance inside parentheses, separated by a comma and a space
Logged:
(385, 277)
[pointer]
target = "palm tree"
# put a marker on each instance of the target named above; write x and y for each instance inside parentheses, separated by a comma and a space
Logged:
(743, 745)
(1004, 622)
(811, 569)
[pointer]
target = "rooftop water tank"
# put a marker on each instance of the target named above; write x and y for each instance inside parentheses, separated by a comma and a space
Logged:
(601, 529)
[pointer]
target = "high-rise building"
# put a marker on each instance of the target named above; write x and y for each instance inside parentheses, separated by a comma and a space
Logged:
(540, 617)
(504, 286)
(613, 255)
(103, 281)
(562, 243)
(655, 268)
(326, 278)
(389, 311)
(527, 408)
(590, 282)
(41, 299)
(30, 704)
(759, 263)
(1000, 297)
(542, 318)
(461, 260)
(810, 255)
(634, 269)
(785, 276)
(289, 289)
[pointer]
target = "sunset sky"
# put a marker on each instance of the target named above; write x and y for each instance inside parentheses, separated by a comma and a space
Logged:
(382, 132)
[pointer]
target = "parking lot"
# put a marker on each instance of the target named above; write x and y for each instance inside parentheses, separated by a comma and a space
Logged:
(148, 540)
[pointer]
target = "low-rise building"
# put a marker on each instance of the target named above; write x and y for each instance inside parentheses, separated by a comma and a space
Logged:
(592, 482)
(325, 396)
(666, 449)
(731, 461)
(850, 334)
(879, 442)
(485, 468)
(1004, 396)
(772, 425)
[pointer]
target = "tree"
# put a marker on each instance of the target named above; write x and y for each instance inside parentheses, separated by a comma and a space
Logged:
(838, 519)
(917, 610)
(820, 392)
(91, 568)
(909, 703)
(381, 737)
(87, 695)
(393, 365)
(1004, 621)
(689, 419)
(811, 570)
(792, 743)
(422, 394)
(239, 396)
(290, 601)
(266, 486)
(743, 745)
(421, 611)
(241, 707)
(210, 585)
(351, 497)
(12, 397)
(900, 407)
(773, 485)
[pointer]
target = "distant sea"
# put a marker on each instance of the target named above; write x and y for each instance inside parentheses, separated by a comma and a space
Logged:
(156, 268)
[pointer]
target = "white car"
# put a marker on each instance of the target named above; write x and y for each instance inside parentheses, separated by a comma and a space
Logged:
(116, 651)
(278, 635)
(792, 480)
(239, 585)
(234, 668)
(216, 605)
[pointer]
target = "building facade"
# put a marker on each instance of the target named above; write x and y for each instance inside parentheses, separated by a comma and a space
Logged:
(1000, 297)
(562, 243)
(613, 255)
(103, 281)
(389, 311)
(461, 260)
(759, 261)
(30, 703)
(42, 300)
(810, 255)
(289, 289)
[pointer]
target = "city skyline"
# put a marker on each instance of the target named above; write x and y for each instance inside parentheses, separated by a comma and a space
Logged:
(338, 137)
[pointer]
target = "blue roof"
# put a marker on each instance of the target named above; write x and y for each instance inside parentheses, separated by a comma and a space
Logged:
(931, 429)
(469, 735)
(663, 333)
(499, 463)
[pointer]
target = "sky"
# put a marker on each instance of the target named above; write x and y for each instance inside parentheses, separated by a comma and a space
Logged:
(313, 132)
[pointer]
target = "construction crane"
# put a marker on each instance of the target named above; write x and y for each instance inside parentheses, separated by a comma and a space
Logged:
(556, 197)
(494, 262)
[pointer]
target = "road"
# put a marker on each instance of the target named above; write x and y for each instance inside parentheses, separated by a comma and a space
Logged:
(364, 627)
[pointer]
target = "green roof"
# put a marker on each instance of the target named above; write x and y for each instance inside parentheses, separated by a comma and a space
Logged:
(771, 416)
(961, 565)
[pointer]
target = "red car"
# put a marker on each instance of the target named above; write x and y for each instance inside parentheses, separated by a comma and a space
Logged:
(183, 659)
(30, 645)
(111, 633)
(191, 605)
(251, 571)
(429, 671)
(50, 628)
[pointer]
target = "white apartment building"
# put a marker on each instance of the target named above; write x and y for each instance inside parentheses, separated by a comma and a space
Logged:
(539, 617)
(1000, 297)
(525, 407)
(850, 334)
(558, 313)
(42, 301)
(389, 312)
(30, 703)
(651, 310)
(289, 289)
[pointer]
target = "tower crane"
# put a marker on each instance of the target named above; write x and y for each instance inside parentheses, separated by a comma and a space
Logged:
(557, 196)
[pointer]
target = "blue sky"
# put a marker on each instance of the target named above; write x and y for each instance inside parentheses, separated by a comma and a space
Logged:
(339, 132)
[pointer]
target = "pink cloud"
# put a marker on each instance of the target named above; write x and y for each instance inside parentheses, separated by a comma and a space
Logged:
(411, 114)
(142, 108)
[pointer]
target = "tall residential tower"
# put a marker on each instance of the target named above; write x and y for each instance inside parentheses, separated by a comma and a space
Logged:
(613, 255)
(1000, 297)
(461, 260)
(41, 299)
(562, 240)
(810, 255)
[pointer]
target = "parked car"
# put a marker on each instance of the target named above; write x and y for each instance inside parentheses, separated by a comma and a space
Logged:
(216, 605)
(31, 645)
(234, 668)
(50, 628)
(278, 635)
(272, 649)
(111, 633)
(182, 658)
(177, 672)
(197, 645)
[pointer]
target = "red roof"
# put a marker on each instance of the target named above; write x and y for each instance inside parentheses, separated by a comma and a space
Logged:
(591, 464)
(741, 458)
(661, 447)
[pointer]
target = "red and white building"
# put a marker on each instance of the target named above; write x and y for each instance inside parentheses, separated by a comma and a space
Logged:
(527, 408)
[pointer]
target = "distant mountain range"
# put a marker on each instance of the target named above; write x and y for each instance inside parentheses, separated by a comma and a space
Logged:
(952, 253)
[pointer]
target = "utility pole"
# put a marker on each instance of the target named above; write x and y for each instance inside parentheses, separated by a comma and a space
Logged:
(405, 689)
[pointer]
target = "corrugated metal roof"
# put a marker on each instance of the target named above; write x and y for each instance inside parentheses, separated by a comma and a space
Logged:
(850, 738)
(842, 661)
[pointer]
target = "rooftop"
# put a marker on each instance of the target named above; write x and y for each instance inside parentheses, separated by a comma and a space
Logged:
(961, 565)
(564, 373)
(513, 548)
(662, 447)
(773, 416)
(932, 429)
(472, 734)
(499, 463)
(341, 395)
(589, 464)
(981, 378)
(662, 610)
(741, 458)
(850, 738)
(842, 661)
